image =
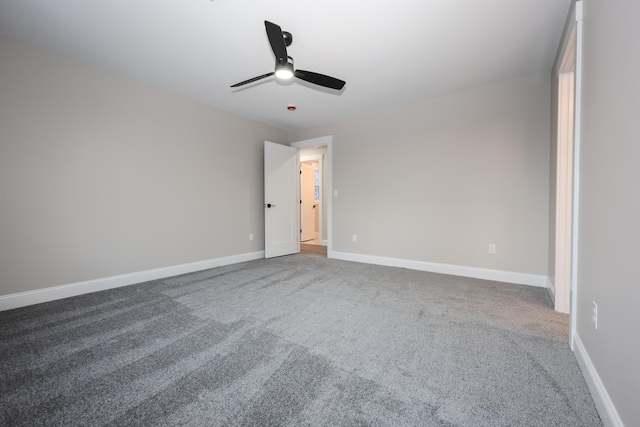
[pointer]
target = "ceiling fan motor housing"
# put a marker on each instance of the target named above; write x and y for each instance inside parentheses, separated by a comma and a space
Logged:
(288, 38)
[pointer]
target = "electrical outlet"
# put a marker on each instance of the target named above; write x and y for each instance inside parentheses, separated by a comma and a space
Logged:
(354, 238)
(492, 248)
(595, 315)
(251, 237)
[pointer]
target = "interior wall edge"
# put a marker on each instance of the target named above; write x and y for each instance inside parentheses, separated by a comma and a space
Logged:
(551, 286)
(606, 409)
(23, 299)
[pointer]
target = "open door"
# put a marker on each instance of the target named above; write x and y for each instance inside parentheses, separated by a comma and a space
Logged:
(281, 200)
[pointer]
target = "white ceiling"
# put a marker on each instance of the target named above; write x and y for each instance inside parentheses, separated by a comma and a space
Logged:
(389, 52)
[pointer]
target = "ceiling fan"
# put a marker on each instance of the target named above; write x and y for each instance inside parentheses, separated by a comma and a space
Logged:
(279, 41)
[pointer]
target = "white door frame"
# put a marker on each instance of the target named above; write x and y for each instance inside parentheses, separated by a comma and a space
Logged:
(572, 39)
(328, 181)
(576, 171)
(317, 158)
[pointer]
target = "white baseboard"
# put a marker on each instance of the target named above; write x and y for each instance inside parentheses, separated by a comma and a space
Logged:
(324, 242)
(606, 409)
(22, 299)
(456, 270)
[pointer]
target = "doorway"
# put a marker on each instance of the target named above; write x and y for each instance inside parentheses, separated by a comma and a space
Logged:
(568, 71)
(564, 178)
(311, 190)
(315, 158)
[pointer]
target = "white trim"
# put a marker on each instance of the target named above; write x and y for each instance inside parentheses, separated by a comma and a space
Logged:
(328, 142)
(315, 142)
(456, 270)
(22, 299)
(311, 158)
(606, 409)
(579, 10)
(576, 175)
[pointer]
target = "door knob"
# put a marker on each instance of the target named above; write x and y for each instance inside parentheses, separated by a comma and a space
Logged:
(269, 205)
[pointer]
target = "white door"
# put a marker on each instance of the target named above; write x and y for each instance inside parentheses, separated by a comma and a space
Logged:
(307, 202)
(281, 200)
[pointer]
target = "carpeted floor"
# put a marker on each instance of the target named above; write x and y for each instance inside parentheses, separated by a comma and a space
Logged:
(294, 341)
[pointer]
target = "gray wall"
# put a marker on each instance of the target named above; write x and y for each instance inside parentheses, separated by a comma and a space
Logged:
(102, 175)
(609, 240)
(439, 180)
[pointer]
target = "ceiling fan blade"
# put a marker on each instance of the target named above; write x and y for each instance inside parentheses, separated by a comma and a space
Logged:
(276, 39)
(255, 79)
(320, 79)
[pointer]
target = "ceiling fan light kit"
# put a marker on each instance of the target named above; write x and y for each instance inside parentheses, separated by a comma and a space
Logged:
(285, 72)
(279, 40)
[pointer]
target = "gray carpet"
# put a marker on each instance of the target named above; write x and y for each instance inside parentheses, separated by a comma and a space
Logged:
(294, 341)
